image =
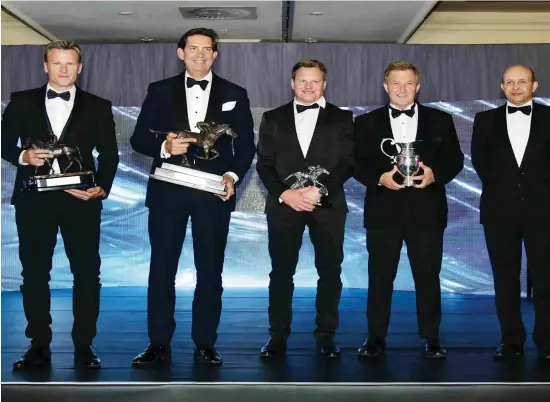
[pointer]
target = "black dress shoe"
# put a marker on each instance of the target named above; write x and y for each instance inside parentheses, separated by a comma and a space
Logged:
(208, 355)
(85, 357)
(152, 354)
(328, 350)
(544, 353)
(508, 351)
(372, 348)
(273, 348)
(36, 357)
(433, 349)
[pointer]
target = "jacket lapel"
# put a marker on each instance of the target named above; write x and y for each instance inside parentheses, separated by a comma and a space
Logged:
(535, 129)
(289, 133)
(504, 137)
(214, 101)
(179, 105)
(72, 121)
(315, 147)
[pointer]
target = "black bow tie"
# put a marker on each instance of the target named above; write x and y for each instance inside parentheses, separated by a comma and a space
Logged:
(524, 109)
(301, 108)
(63, 95)
(396, 112)
(191, 82)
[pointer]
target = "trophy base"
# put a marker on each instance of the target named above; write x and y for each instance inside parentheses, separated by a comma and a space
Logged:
(192, 178)
(61, 181)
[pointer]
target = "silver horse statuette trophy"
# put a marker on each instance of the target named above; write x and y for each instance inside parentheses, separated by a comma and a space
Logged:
(407, 161)
(187, 174)
(70, 177)
(311, 178)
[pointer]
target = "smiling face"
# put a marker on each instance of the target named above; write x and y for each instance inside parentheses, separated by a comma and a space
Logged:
(402, 87)
(198, 55)
(308, 84)
(62, 68)
(518, 85)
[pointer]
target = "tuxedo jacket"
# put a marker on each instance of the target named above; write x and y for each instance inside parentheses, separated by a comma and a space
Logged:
(280, 155)
(165, 108)
(439, 149)
(90, 126)
(510, 191)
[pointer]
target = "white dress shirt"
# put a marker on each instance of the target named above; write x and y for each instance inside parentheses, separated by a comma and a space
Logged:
(58, 111)
(404, 127)
(197, 105)
(519, 126)
(305, 123)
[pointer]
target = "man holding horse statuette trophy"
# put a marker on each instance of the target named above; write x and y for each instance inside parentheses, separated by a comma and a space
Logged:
(197, 127)
(58, 187)
(405, 155)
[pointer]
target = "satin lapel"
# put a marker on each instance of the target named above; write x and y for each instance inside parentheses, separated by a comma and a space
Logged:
(503, 136)
(315, 147)
(534, 131)
(72, 121)
(384, 131)
(214, 101)
(287, 127)
(423, 124)
(179, 105)
(42, 122)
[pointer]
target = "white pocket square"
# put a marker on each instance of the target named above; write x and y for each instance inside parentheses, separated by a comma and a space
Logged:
(228, 106)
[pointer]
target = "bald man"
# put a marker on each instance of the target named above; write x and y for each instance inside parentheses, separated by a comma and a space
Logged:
(511, 155)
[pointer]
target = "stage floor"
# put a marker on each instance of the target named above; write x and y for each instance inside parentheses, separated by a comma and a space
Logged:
(469, 331)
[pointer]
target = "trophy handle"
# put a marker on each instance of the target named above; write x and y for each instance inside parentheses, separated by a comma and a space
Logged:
(392, 142)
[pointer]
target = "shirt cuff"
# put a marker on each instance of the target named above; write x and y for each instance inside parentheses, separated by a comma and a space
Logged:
(21, 159)
(163, 153)
(235, 177)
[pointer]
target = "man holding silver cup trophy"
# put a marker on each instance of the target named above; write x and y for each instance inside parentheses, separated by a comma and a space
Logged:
(305, 155)
(405, 201)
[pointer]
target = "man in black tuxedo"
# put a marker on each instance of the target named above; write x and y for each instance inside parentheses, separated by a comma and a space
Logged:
(79, 120)
(395, 213)
(511, 155)
(304, 133)
(179, 103)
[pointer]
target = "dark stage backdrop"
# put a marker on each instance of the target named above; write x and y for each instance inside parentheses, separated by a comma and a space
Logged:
(121, 73)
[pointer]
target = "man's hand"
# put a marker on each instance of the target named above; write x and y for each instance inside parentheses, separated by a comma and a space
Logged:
(312, 193)
(35, 157)
(296, 200)
(387, 180)
(425, 179)
(229, 182)
(89, 194)
(177, 146)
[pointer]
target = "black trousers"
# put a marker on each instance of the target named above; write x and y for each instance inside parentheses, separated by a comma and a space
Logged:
(38, 218)
(167, 230)
(425, 252)
(504, 244)
(286, 228)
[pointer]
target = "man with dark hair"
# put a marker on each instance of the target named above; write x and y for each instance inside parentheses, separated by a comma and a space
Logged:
(179, 103)
(511, 155)
(303, 136)
(79, 120)
(395, 213)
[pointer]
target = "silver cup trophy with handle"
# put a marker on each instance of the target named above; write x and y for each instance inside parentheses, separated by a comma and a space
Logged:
(407, 161)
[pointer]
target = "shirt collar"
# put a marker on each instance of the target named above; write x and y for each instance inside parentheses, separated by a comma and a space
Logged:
(407, 108)
(321, 102)
(528, 103)
(208, 77)
(72, 91)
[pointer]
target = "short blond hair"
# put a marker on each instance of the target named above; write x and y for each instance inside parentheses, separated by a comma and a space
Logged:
(401, 66)
(62, 45)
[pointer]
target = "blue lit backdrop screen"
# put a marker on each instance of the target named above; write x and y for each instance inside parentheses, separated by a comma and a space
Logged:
(125, 244)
